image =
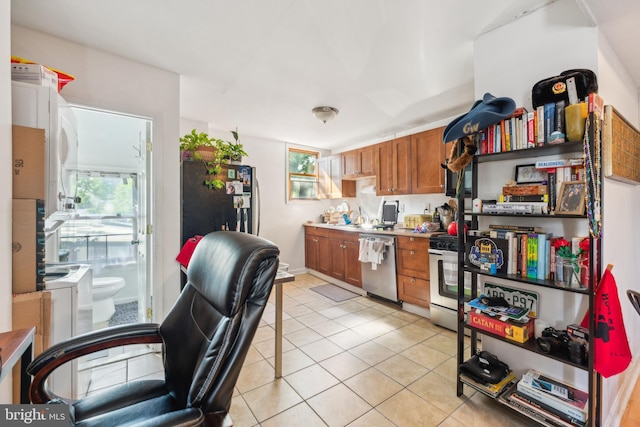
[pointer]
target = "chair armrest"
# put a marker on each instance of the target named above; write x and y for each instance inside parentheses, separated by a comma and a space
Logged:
(183, 417)
(45, 363)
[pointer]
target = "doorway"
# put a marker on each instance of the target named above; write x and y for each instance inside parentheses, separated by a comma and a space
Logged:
(110, 229)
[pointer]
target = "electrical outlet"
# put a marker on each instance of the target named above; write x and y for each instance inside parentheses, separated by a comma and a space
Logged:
(402, 207)
(427, 207)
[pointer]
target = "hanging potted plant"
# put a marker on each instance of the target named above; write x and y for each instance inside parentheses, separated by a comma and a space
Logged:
(233, 151)
(197, 146)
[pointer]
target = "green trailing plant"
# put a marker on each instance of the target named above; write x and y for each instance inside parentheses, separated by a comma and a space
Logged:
(214, 167)
(193, 141)
(223, 152)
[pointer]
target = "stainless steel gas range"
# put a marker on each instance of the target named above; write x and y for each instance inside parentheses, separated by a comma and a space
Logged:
(443, 268)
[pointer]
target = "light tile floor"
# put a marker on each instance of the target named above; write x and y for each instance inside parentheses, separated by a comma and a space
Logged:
(355, 363)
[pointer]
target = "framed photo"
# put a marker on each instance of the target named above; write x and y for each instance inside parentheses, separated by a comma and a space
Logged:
(528, 174)
(571, 198)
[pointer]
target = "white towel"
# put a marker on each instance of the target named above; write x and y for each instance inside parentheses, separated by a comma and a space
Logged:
(371, 251)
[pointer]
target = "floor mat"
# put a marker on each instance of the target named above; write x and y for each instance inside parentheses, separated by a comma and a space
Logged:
(334, 292)
(125, 313)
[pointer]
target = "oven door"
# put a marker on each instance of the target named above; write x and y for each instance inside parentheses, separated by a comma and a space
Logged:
(444, 279)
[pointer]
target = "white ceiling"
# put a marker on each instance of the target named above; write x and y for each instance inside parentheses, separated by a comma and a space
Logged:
(262, 65)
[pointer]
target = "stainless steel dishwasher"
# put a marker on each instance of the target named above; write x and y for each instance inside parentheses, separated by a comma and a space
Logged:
(379, 279)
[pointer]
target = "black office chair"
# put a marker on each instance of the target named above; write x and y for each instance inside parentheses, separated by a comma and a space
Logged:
(634, 297)
(205, 337)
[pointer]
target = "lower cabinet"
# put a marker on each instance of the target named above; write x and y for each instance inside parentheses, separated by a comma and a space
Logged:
(316, 249)
(334, 253)
(413, 270)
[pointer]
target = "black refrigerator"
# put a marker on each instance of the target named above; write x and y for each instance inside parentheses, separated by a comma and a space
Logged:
(233, 207)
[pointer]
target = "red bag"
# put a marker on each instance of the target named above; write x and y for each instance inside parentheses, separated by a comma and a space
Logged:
(612, 352)
(187, 250)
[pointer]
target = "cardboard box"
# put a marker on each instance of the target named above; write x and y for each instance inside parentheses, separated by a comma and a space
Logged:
(31, 310)
(519, 332)
(35, 74)
(28, 163)
(28, 246)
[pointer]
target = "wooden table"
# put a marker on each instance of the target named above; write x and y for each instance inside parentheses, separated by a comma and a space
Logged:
(281, 277)
(17, 345)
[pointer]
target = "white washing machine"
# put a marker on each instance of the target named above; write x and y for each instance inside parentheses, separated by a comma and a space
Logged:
(71, 314)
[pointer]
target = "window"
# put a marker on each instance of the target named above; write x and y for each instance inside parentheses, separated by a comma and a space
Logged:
(303, 174)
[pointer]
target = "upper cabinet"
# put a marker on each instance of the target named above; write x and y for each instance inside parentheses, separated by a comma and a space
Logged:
(411, 164)
(427, 154)
(358, 163)
(330, 178)
(393, 168)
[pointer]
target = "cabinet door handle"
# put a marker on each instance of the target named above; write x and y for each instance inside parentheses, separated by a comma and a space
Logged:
(412, 252)
(411, 239)
(413, 280)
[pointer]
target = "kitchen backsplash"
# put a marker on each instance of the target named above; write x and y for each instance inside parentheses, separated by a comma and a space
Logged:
(367, 200)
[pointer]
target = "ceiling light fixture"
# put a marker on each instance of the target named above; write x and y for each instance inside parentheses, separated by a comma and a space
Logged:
(324, 114)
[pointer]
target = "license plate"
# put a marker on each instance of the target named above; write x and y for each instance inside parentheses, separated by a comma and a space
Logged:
(515, 297)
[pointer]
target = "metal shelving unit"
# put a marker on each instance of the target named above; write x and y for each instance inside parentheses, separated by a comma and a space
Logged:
(595, 380)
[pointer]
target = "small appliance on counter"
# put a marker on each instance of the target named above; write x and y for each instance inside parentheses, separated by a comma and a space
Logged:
(413, 220)
(389, 215)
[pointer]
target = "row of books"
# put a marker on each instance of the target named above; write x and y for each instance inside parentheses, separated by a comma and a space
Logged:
(530, 252)
(547, 400)
(528, 129)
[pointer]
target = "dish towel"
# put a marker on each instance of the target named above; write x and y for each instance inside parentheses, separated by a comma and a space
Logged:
(371, 251)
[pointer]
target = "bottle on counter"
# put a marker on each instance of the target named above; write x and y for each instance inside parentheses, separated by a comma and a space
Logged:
(436, 218)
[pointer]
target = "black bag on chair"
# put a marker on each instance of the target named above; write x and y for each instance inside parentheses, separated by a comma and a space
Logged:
(554, 89)
(485, 368)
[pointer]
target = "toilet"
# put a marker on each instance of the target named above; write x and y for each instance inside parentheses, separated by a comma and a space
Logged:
(104, 288)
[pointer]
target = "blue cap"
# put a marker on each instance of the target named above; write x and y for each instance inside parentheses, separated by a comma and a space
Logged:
(485, 112)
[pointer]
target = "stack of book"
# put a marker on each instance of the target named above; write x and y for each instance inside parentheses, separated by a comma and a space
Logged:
(529, 252)
(492, 390)
(528, 129)
(549, 401)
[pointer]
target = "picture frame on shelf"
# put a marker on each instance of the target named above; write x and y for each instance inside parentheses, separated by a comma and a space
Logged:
(528, 174)
(571, 198)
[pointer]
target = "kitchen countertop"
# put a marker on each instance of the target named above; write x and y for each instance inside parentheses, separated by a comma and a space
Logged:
(362, 230)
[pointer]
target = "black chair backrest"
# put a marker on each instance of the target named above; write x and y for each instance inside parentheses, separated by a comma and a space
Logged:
(209, 330)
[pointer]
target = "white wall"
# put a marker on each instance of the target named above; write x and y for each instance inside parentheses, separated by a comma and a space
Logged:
(539, 46)
(620, 223)
(280, 222)
(106, 81)
(5, 190)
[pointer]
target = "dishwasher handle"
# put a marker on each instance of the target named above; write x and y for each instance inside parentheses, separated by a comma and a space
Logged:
(387, 242)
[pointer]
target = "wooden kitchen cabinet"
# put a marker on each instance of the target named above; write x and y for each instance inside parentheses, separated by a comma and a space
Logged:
(427, 155)
(317, 252)
(344, 248)
(358, 163)
(352, 267)
(393, 168)
(413, 270)
(334, 253)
